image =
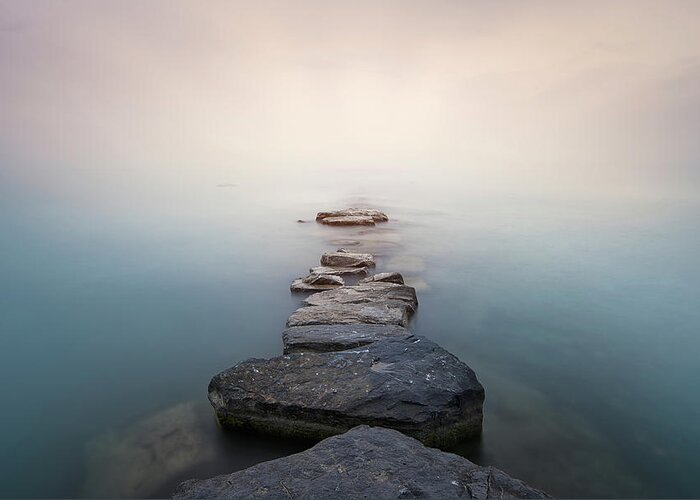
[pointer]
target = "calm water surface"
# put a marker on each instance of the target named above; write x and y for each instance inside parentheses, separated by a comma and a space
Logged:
(120, 299)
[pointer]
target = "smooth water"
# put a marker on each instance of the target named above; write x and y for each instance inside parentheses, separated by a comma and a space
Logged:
(120, 298)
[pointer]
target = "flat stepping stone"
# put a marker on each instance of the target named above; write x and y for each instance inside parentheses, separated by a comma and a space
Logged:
(339, 271)
(325, 338)
(414, 386)
(365, 462)
(367, 293)
(347, 259)
(316, 282)
(349, 220)
(380, 313)
(385, 278)
(375, 215)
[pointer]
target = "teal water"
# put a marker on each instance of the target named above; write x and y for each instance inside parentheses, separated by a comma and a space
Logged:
(120, 298)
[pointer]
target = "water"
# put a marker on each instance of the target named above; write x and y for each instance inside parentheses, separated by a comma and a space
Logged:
(122, 295)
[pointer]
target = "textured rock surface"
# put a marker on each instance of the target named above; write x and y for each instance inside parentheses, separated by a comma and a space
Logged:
(365, 462)
(339, 271)
(349, 220)
(347, 259)
(390, 294)
(375, 215)
(385, 278)
(324, 338)
(413, 386)
(386, 313)
(317, 282)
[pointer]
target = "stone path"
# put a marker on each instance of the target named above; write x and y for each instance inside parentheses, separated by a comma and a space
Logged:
(349, 359)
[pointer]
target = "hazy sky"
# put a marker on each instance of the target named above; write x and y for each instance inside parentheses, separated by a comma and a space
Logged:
(590, 92)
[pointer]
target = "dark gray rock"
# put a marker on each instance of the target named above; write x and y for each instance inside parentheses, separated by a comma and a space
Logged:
(379, 313)
(339, 271)
(413, 386)
(375, 215)
(390, 294)
(316, 282)
(385, 278)
(365, 462)
(324, 338)
(347, 259)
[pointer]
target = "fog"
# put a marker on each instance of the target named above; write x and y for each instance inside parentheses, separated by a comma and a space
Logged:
(601, 97)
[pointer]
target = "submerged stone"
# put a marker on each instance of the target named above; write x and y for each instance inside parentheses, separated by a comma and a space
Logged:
(365, 462)
(389, 294)
(347, 259)
(411, 385)
(381, 313)
(316, 282)
(324, 338)
(385, 278)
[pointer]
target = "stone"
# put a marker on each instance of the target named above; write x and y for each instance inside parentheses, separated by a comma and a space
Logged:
(413, 386)
(347, 259)
(350, 220)
(389, 313)
(376, 215)
(339, 271)
(133, 461)
(385, 278)
(367, 293)
(365, 462)
(316, 282)
(325, 338)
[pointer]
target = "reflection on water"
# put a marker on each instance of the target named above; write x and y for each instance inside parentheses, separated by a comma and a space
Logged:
(134, 461)
(579, 315)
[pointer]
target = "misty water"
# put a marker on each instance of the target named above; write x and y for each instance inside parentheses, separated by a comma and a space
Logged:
(121, 295)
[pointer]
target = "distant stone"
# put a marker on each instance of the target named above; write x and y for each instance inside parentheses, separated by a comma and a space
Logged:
(339, 271)
(347, 259)
(301, 221)
(325, 338)
(317, 282)
(379, 313)
(365, 462)
(367, 293)
(413, 386)
(350, 220)
(375, 215)
(385, 278)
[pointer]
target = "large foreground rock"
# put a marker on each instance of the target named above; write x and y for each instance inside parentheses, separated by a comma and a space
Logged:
(380, 313)
(324, 338)
(365, 462)
(375, 215)
(367, 293)
(413, 386)
(347, 259)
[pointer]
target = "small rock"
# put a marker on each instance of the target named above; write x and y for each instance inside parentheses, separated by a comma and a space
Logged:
(339, 271)
(355, 220)
(347, 259)
(385, 277)
(375, 215)
(316, 282)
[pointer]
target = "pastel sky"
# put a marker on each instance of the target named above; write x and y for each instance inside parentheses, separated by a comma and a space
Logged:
(593, 92)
